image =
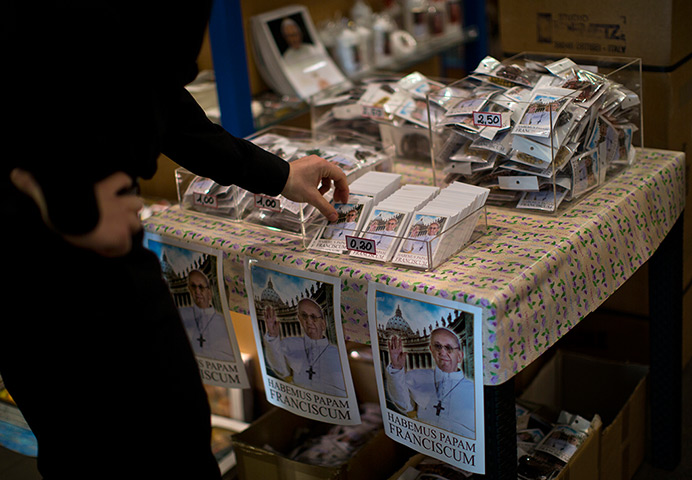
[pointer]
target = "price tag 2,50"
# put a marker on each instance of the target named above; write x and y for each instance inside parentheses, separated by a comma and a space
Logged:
(487, 119)
(267, 203)
(205, 200)
(358, 244)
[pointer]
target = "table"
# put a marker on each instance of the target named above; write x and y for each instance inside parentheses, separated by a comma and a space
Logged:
(535, 277)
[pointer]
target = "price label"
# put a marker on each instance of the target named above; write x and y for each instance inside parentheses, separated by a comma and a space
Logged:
(205, 200)
(487, 119)
(373, 112)
(358, 244)
(267, 203)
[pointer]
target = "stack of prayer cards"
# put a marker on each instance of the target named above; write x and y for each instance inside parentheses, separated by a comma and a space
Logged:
(440, 228)
(389, 220)
(366, 190)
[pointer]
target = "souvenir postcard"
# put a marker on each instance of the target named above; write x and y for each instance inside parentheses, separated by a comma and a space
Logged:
(421, 240)
(194, 275)
(296, 319)
(331, 237)
(385, 228)
(429, 371)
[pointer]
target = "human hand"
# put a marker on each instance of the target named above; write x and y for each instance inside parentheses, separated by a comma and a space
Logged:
(310, 178)
(272, 323)
(118, 214)
(397, 356)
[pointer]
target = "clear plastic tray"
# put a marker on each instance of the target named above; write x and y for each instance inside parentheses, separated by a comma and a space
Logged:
(419, 248)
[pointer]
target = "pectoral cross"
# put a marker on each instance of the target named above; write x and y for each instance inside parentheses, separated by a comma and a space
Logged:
(438, 408)
(310, 372)
(201, 340)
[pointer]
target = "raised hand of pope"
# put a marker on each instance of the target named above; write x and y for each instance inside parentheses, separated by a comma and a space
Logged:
(397, 356)
(310, 178)
(271, 321)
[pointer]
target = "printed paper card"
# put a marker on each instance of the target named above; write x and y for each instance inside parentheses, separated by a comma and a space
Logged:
(194, 275)
(429, 374)
(296, 318)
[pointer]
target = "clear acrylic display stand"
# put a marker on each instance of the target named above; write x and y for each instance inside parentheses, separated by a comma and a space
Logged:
(537, 129)
(422, 250)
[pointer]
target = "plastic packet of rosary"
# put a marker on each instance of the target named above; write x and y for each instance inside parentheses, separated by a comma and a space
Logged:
(555, 450)
(338, 444)
(205, 195)
(433, 469)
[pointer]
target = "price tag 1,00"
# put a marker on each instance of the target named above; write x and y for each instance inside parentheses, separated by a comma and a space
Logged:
(205, 200)
(267, 203)
(359, 244)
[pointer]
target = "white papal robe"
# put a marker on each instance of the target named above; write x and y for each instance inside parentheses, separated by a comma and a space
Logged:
(206, 329)
(321, 373)
(444, 400)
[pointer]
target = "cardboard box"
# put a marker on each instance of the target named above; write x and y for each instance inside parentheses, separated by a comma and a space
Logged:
(657, 32)
(614, 391)
(667, 112)
(261, 452)
(582, 466)
(660, 36)
(614, 336)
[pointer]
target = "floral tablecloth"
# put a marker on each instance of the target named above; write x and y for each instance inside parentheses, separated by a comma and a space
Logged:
(535, 276)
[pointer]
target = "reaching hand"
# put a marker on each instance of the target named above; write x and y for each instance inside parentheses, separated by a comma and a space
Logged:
(118, 214)
(310, 178)
(397, 356)
(272, 323)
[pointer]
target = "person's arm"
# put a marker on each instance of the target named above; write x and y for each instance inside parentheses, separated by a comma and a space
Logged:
(206, 149)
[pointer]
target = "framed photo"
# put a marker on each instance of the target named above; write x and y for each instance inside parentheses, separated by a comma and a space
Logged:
(428, 364)
(289, 45)
(296, 318)
(194, 275)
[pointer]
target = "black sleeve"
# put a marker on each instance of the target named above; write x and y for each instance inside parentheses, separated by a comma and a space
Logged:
(206, 149)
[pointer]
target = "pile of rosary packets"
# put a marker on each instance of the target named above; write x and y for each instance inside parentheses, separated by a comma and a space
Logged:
(376, 100)
(338, 445)
(351, 156)
(543, 449)
(553, 125)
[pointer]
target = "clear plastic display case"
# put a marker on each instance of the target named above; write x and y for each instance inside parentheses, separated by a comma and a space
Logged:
(354, 156)
(386, 108)
(425, 244)
(537, 129)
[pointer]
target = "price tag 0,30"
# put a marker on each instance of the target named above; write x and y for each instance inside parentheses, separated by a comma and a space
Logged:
(371, 111)
(267, 203)
(358, 244)
(205, 200)
(487, 119)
